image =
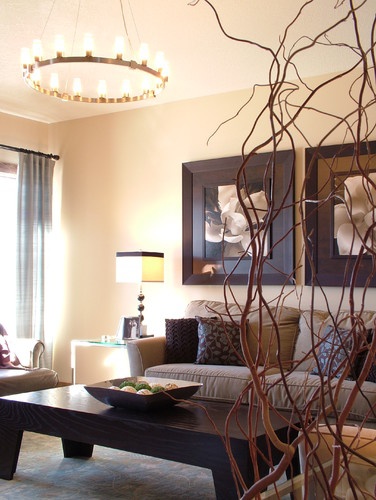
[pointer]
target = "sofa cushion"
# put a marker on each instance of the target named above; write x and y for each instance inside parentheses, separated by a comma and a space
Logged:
(263, 342)
(218, 342)
(312, 324)
(220, 382)
(304, 389)
(181, 340)
(210, 308)
(333, 351)
(7, 358)
(287, 319)
(25, 380)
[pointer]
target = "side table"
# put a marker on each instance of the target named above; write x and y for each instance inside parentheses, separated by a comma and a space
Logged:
(96, 360)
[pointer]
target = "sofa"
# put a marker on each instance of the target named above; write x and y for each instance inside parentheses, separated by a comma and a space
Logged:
(175, 356)
(19, 366)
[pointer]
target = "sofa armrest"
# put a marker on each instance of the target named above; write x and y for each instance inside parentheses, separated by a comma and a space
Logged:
(28, 351)
(144, 353)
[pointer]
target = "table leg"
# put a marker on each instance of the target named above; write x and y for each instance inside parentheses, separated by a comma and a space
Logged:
(224, 484)
(10, 444)
(76, 449)
(223, 480)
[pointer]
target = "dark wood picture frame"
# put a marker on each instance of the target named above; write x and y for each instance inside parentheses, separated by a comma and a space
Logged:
(331, 268)
(199, 175)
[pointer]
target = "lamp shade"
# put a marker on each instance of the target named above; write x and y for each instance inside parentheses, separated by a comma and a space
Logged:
(139, 267)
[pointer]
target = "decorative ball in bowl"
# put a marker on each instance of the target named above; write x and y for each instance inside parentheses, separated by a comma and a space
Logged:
(142, 393)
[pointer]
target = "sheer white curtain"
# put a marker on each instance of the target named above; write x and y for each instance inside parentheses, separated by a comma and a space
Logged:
(34, 226)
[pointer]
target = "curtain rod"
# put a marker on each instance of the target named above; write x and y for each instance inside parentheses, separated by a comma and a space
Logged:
(21, 150)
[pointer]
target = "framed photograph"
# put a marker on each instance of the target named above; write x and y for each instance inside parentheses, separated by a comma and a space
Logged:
(335, 190)
(127, 327)
(208, 191)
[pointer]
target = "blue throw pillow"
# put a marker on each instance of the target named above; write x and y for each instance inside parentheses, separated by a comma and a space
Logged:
(333, 352)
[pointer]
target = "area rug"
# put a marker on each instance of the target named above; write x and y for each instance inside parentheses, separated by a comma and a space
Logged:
(44, 473)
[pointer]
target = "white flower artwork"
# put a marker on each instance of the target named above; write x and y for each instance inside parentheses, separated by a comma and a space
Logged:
(355, 217)
(225, 220)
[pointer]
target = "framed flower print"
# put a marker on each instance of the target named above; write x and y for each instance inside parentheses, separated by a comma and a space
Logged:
(215, 231)
(341, 215)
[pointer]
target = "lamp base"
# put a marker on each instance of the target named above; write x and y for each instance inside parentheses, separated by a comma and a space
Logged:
(143, 331)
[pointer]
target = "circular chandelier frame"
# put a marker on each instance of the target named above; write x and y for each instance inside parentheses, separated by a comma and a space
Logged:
(30, 69)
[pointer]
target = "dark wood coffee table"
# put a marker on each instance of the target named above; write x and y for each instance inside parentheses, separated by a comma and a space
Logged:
(181, 433)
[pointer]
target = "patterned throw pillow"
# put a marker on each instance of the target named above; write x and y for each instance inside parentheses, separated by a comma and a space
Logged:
(7, 358)
(218, 343)
(333, 350)
(181, 340)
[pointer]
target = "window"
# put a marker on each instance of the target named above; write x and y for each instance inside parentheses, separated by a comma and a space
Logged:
(8, 224)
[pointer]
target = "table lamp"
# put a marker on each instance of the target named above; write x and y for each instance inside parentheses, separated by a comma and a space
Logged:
(139, 267)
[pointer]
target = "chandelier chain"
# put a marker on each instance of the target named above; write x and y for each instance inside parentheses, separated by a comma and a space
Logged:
(134, 21)
(75, 26)
(125, 26)
(48, 18)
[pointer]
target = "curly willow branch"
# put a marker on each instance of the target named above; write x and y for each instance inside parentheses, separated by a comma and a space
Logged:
(280, 104)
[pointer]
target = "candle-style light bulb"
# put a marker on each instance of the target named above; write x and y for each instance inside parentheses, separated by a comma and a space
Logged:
(25, 57)
(159, 61)
(126, 88)
(165, 72)
(102, 89)
(59, 45)
(37, 50)
(144, 54)
(35, 76)
(145, 85)
(88, 44)
(77, 87)
(54, 82)
(119, 47)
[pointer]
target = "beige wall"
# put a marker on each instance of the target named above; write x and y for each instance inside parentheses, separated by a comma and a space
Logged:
(21, 133)
(119, 187)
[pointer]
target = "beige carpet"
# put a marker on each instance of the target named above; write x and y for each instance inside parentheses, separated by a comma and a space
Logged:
(43, 473)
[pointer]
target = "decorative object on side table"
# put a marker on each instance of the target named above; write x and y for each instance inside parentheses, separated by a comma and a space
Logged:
(127, 328)
(139, 267)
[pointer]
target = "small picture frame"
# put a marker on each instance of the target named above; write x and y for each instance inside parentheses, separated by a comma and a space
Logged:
(127, 328)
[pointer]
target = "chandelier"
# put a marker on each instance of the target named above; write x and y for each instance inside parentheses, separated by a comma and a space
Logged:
(94, 79)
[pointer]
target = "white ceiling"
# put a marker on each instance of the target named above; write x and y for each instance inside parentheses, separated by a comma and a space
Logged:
(202, 61)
